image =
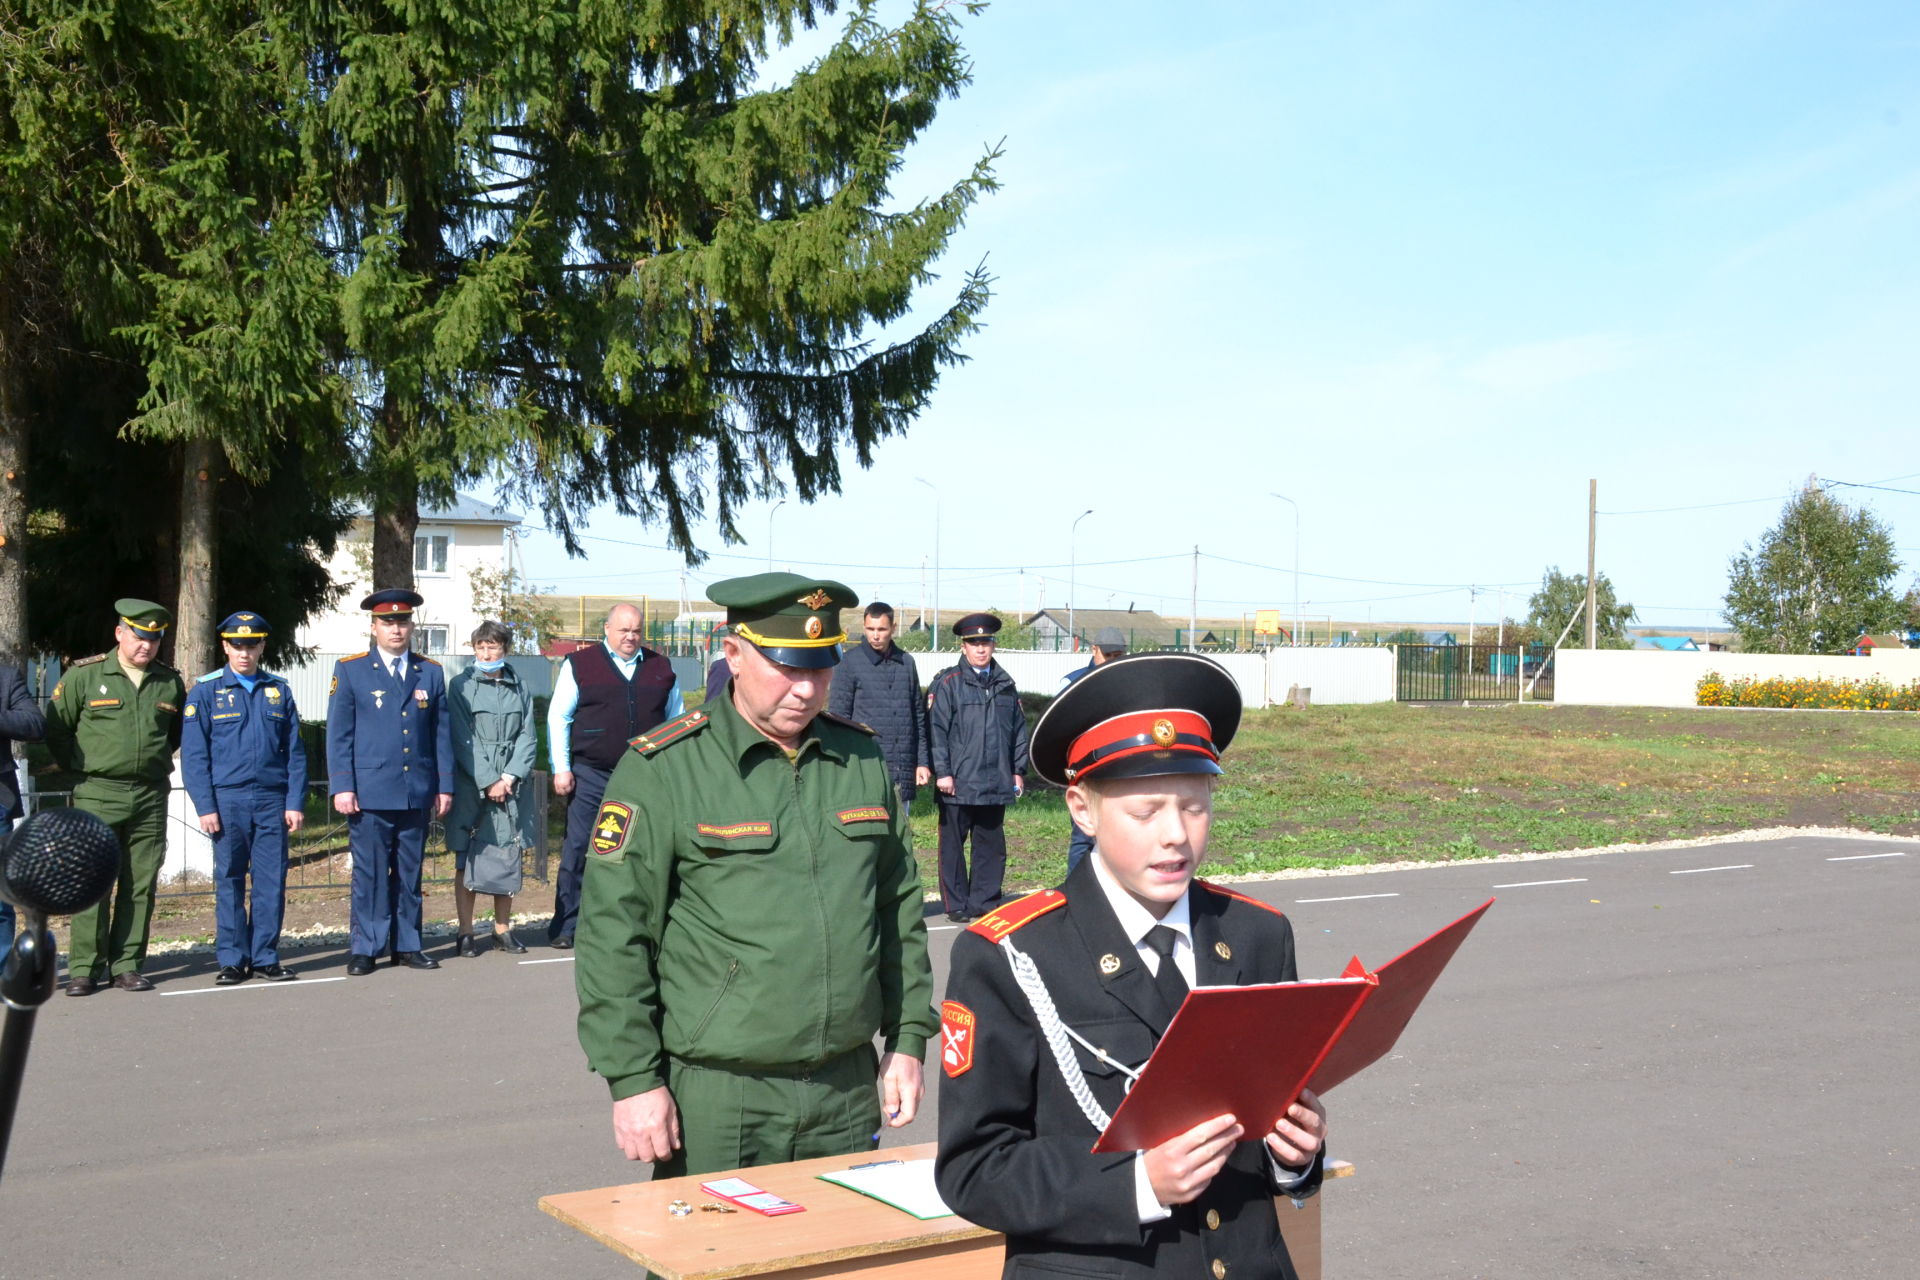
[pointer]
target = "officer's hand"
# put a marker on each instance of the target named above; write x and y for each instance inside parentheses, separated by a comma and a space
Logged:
(901, 1088)
(295, 819)
(563, 783)
(346, 803)
(1180, 1168)
(647, 1125)
(945, 785)
(1299, 1133)
(922, 776)
(442, 804)
(499, 791)
(210, 823)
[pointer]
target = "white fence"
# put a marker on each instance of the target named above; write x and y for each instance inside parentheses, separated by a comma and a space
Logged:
(1636, 678)
(1334, 675)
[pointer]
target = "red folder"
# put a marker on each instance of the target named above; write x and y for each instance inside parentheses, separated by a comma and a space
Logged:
(1249, 1051)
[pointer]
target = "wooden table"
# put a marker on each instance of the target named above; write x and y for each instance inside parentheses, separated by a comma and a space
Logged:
(842, 1233)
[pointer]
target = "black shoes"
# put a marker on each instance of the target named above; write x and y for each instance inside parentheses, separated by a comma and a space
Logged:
(81, 984)
(508, 943)
(564, 942)
(415, 960)
(275, 972)
(359, 966)
(230, 975)
(131, 982)
(466, 946)
(961, 917)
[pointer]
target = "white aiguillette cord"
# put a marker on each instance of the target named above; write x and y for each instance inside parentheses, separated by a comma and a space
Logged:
(1057, 1032)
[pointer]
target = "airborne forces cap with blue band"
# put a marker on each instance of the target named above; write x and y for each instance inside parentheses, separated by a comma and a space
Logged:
(795, 621)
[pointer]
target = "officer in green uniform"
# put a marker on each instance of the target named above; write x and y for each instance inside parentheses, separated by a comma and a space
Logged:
(751, 913)
(114, 720)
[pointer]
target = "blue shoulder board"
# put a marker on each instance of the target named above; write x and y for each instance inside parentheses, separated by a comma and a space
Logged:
(211, 675)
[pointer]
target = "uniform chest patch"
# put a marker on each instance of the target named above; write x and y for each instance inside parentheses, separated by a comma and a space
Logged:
(957, 1026)
(103, 702)
(866, 813)
(733, 830)
(420, 696)
(610, 827)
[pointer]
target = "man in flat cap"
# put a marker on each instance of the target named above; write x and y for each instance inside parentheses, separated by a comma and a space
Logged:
(390, 772)
(114, 719)
(751, 914)
(1108, 644)
(245, 770)
(978, 736)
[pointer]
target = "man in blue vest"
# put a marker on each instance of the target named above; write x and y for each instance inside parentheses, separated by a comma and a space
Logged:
(390, 772)
(246, 773)
(604, 696)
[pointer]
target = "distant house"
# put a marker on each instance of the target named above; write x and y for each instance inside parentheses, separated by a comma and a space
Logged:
(449, 544)
(1667, 644)
(1866, 644)
(1143, 628)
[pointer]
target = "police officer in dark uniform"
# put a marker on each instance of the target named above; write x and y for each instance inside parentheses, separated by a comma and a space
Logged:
(390, 772)
(245, 770)
(978, 738)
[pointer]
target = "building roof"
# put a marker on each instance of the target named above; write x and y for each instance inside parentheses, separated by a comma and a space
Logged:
(1670, 644)
(464, 509)
(1139, 626)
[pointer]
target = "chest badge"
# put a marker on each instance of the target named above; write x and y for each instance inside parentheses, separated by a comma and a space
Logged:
(103, 688)
(273, 693)
(378, 694)
(1109, 964)
(1222, 950)
(420, 696)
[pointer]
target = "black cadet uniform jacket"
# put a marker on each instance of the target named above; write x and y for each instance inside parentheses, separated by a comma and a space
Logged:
(1014, 1145)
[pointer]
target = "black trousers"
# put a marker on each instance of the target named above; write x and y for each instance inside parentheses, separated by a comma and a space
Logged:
(583, 806)
(972, 890)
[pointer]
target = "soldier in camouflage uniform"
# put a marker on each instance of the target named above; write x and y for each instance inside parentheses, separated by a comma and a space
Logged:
(752, 913)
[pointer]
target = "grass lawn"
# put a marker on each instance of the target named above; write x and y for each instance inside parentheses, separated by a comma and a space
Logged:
(1345, 786)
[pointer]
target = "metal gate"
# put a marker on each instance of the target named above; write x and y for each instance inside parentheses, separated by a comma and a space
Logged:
(1464, 672)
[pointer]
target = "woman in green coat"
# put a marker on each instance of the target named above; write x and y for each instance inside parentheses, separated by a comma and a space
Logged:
(493, 753)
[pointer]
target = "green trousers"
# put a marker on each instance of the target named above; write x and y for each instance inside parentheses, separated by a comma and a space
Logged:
(110, 937)
(734, 1119)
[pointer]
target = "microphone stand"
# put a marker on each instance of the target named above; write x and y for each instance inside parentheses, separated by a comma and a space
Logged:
(26, 983)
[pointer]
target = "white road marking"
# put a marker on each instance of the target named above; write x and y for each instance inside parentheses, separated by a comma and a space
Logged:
(1694, 871)
(1353, 898)
(1532, 884)
(554, 960)
(1862, 857)
(256, 986)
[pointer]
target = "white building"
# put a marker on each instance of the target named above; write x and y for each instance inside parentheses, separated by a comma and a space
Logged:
(450, 543)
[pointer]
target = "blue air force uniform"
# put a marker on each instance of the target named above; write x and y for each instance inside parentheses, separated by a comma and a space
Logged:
(242, 758)
(389, 741)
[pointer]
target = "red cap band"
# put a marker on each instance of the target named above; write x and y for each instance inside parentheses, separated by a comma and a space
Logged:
(1137, 732)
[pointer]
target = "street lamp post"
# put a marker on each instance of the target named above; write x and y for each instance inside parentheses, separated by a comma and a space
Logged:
(1073, 573)
(1295, 637)
(933, 632)
(770, 514)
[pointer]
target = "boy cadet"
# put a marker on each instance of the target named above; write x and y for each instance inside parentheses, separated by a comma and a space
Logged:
(114, 719)
(245, 770)
(1109, 956)
(390, 771)
(751, 913)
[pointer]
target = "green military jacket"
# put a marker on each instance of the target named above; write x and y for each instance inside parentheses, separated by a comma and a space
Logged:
(747, 908)
(100, 725)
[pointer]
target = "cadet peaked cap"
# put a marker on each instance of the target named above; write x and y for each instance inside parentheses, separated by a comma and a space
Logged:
(1136, 715)
(1109, 640)
(794, 620)
(393, 602)
(144, 618)
(242, 625)
(975, 625)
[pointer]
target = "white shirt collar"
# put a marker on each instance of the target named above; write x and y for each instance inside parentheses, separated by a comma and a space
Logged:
(620, 660)
(1136, 920)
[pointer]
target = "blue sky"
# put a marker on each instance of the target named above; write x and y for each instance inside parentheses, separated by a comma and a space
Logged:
(1423, 268)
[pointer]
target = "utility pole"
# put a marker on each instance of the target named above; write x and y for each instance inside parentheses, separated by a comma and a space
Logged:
(1593, 503)
(1193, 605)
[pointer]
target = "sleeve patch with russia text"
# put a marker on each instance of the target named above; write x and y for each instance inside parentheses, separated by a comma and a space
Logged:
(610, 827)
(957, 1027)
(866, 813)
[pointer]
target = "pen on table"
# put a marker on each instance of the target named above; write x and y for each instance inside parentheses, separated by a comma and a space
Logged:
(873, 1164)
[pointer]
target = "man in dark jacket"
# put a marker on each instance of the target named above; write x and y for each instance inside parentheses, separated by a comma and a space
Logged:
(977, 737)
(20, 721)
(878, 686)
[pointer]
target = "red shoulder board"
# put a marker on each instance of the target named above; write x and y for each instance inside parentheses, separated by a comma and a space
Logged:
(1210, 887)
(1001, 921)
(672, 731)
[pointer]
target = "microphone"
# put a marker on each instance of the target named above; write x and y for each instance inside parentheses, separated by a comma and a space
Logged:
(57, 862)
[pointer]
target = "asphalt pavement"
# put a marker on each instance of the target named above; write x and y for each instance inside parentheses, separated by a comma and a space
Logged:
(1677, 1063)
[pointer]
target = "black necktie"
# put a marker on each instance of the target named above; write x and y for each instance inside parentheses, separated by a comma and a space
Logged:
(1167, 980)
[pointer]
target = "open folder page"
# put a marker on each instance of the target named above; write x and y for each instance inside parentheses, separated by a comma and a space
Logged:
(904, 1184)
(1249, 1051)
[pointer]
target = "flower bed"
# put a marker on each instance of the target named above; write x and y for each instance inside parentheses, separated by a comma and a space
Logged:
(1872, 694)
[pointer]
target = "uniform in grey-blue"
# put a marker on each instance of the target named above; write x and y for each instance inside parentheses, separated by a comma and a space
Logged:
(241, 758)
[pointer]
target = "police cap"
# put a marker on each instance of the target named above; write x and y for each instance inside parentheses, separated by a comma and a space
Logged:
(144, 618)
(975, 625)
(1139, 714)
(794, 620)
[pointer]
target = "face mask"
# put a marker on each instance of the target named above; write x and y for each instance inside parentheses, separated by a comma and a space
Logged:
(489, 667)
